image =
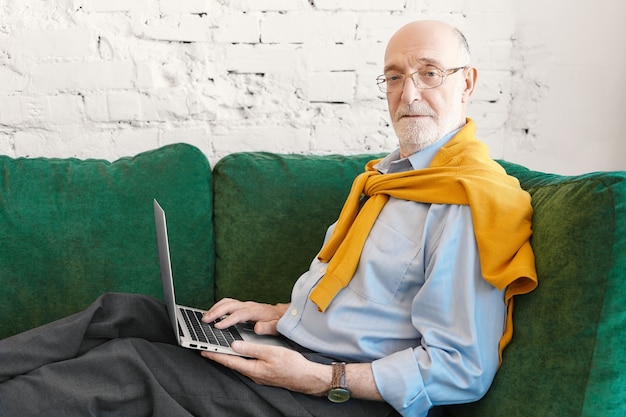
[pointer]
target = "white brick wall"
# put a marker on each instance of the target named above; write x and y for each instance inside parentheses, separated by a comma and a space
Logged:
(104, 79)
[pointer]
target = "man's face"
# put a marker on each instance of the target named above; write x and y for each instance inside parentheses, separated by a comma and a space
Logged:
(421, 117)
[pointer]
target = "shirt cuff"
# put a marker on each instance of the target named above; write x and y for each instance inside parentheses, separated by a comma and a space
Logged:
(400, 383)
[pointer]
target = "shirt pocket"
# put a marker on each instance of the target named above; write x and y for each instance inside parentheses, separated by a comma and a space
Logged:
(386, 258)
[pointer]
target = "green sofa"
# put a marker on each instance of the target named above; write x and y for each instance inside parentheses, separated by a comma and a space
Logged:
(72, 229)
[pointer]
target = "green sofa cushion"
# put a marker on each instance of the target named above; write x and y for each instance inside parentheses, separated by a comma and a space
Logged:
(567, 354)
(271, 213)
(73, 229)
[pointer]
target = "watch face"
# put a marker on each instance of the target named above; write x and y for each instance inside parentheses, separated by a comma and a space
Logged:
(338, 395)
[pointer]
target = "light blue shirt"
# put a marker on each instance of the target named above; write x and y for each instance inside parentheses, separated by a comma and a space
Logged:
(417, 307)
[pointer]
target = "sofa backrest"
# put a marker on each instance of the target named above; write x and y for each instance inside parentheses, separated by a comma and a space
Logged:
(271, 213)
(72, 229)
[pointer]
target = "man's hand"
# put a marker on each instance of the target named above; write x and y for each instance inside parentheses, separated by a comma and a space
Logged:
(276, 366)
(265, 316)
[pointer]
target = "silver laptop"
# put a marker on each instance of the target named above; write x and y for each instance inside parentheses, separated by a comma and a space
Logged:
(188, 328)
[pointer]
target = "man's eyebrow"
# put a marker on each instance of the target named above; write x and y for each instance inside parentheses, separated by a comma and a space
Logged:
(392, 67)
(423, 61)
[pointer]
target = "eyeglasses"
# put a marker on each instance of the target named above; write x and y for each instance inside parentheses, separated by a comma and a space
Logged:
(423, 79)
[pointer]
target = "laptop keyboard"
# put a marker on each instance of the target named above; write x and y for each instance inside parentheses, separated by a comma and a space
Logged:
(206, 332)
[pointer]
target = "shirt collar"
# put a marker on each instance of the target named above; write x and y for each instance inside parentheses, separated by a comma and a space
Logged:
(422, 159)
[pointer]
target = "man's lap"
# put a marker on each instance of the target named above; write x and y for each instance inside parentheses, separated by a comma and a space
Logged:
(119, 355)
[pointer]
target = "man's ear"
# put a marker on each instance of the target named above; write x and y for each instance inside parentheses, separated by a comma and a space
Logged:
(471, 76)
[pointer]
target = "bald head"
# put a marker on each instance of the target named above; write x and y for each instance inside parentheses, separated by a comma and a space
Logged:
(440, 39)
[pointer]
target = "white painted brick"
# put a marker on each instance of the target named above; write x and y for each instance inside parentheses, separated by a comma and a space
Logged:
(262, 138)
(492, 86)
(334, 134)
(303, 27)
(446, 6)
(269, 5)
(333, 87)
(360, 5)
(353, 129)
(243, 91)
(333, 57)
(166, 105)
(74, 76)
(86, 144)
(121, 106)
(34, 111)
(29, 143)
(66, 142)
(151, 74)
(7, 145)
(238, 28)
(494, 6)
(188, 6)
(201, 105)
(76, 141)
(260, 59)
(130, 106)
(140, 6)
(262, 98)
(495, 55)
(64, 109)
(488, 115)
(366, 87)
(12, 81)
(178, 28)
(11, 111)
(501, 27)
(375, 28)
(96, 107)
(58, 43)
(131, 141)
(158, 74)
(360, 57)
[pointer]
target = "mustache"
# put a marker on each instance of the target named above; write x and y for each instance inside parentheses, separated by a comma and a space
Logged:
(415, 109)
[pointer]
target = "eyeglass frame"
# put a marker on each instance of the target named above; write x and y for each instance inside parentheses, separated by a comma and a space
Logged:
(381, 80)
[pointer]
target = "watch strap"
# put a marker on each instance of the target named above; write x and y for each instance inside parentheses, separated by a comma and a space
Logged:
(339, 375)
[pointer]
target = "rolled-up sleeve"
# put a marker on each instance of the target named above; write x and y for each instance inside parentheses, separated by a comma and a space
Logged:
(460, 318)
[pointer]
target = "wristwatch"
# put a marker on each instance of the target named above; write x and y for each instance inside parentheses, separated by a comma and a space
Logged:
(339, 392)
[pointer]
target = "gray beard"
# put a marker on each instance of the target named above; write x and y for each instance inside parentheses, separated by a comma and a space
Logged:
(415, 136)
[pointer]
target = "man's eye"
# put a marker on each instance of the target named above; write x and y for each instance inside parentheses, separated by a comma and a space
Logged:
(394, 78)
(430, 74)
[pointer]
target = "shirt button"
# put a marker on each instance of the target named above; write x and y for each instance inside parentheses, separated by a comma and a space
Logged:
(294, 312)
(322, 270)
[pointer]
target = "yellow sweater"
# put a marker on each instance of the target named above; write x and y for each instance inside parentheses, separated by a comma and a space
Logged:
(461, 173)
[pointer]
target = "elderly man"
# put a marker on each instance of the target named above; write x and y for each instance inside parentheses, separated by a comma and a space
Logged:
(407, 306)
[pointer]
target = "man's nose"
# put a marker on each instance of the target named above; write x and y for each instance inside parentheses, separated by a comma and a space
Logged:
(410, 92)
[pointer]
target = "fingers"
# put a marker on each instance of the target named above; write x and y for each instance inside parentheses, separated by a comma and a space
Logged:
(250, 350)
(221, 309)
(234, 362)
(266, 328)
